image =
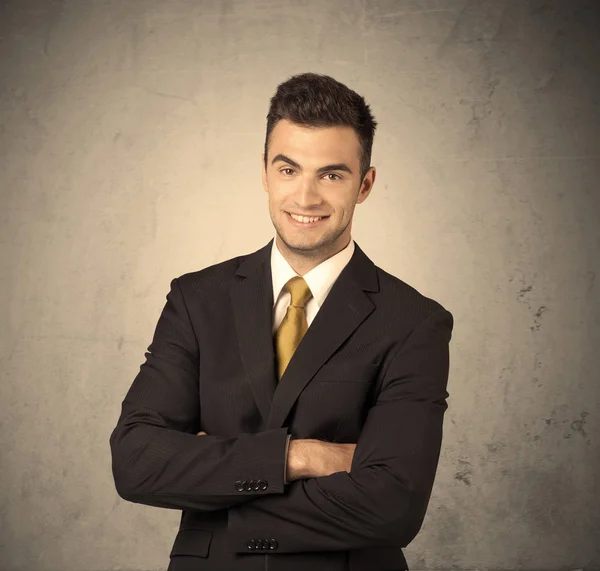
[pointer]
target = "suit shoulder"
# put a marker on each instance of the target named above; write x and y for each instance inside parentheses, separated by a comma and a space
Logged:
(403, 297)
(214, 275)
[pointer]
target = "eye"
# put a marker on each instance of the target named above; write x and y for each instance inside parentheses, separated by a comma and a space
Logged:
(287, 171)
(330, 174)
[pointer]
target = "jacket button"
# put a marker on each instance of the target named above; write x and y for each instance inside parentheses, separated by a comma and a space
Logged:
(254, 485)
(263, 484)
(260, 544)
(239, 486)
(273, 544)
(251, 544)
(247, 486)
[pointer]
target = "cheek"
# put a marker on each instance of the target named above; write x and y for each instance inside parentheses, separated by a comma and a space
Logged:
(277, 201)
(344, 208)
(281, 194)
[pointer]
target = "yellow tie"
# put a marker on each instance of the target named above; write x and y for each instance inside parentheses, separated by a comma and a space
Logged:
(294, 324)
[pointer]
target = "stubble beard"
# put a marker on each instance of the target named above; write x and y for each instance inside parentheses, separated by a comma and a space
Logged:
(323, 246)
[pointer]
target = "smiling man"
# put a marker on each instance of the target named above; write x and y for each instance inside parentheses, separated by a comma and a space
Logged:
(292, 399)
(314, 180)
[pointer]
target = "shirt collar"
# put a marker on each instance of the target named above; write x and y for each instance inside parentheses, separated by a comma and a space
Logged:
(320, 279)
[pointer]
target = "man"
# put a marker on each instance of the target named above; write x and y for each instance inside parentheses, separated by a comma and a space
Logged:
(291, 400)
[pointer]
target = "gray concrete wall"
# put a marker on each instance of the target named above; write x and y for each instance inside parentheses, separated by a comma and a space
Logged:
(130, 137)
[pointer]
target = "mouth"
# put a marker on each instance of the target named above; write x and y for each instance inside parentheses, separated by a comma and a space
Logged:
(305, 221)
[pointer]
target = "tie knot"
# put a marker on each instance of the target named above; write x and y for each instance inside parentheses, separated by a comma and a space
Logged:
(299, 291)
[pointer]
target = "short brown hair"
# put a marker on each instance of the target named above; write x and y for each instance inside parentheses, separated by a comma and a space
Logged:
(320, 101)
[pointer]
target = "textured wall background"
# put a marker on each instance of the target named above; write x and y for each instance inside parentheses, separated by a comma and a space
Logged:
(130, 137)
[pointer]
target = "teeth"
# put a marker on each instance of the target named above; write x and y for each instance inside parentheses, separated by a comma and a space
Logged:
(306, 219)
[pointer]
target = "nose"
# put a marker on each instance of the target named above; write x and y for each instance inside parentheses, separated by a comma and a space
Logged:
(308, 194)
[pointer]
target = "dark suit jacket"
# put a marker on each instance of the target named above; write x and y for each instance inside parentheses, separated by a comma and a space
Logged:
(372, 369)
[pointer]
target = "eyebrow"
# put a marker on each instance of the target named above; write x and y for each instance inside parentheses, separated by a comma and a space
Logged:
(335, 167)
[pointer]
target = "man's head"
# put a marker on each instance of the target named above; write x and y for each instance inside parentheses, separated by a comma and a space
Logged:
(316, 163)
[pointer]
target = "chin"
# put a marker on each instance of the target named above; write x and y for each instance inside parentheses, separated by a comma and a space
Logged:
(304, 246)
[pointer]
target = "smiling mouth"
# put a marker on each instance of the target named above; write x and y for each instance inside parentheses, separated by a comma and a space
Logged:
(306, 219)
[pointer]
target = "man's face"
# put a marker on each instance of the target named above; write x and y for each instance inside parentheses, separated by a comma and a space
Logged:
(313, 182)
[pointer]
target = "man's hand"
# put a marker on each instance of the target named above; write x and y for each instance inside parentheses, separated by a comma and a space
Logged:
(308, 458)
(201, 433)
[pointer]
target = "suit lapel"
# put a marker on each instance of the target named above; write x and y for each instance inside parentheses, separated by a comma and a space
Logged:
(344, 309)
(252, 300)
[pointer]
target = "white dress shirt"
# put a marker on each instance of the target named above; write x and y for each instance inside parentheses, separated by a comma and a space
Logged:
(320, 280)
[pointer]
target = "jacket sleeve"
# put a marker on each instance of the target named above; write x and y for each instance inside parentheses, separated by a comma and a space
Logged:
(383, 499)
(157, 457)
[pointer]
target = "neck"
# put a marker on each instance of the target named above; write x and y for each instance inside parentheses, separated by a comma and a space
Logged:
(303, 261)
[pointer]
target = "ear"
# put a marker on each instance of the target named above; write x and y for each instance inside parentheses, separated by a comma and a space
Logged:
(367, 185)
(264, 173)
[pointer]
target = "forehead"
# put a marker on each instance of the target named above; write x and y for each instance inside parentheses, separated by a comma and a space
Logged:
(314, 144)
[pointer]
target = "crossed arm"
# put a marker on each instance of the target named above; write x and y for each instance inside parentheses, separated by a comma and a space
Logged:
(310, 458)
(378, 496)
